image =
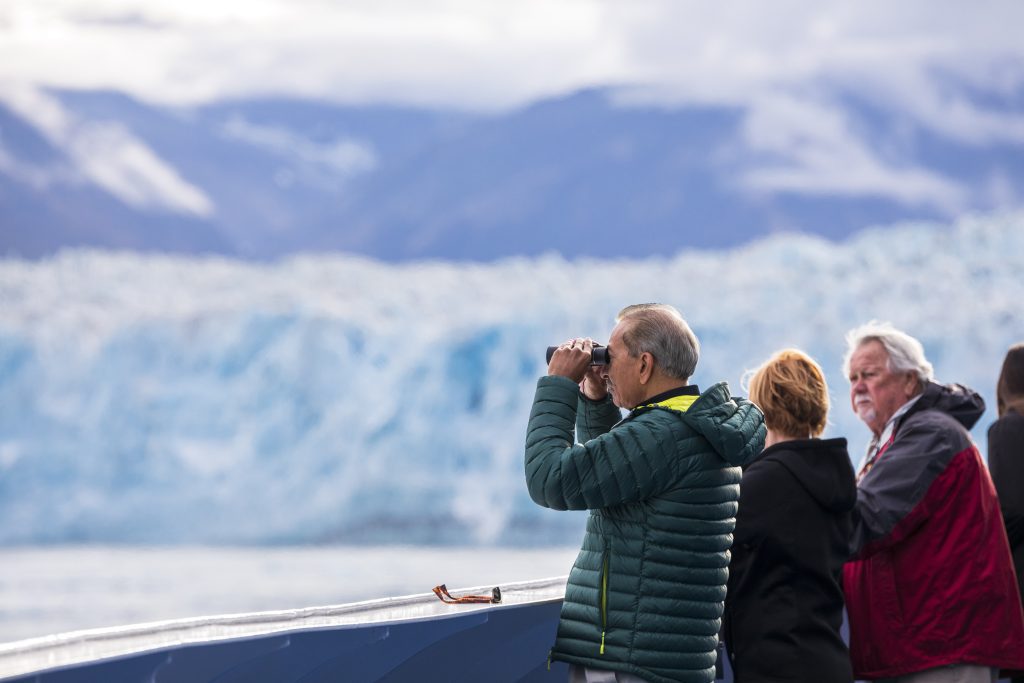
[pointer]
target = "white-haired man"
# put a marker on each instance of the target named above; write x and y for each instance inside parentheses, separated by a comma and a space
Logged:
(930, 589)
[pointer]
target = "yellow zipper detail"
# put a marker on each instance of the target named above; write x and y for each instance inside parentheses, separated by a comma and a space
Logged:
(604, 602)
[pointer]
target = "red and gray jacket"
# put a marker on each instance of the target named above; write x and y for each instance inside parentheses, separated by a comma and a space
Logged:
(931, 581)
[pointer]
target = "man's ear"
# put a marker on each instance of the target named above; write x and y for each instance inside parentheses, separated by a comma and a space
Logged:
(912, 385)
(646, 367)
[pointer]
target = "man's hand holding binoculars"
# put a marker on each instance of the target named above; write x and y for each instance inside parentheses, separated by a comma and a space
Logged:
(574, 359)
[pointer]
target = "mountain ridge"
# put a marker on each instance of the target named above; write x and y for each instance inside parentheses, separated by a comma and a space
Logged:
(580, 174)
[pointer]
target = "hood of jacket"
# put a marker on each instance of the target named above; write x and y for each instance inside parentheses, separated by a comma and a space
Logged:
(1014, 405)
(822, 466)
(733, 426)
(959, 402)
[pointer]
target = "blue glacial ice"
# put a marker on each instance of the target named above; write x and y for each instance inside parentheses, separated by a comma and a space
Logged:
(329, 398)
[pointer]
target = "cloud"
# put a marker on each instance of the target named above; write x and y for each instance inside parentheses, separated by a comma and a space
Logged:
(955, 68)
(812, 149)
(488, 53)
(925, 60)
(35, 176)
(949, 111)
(476, 54)
(104, 153)
(344, 156)
(110, 156)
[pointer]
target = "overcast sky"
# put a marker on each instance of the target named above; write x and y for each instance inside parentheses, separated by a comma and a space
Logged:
(482, 53)
(956, 68)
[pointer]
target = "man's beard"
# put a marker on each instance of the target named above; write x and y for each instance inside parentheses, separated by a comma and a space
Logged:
(865, 410)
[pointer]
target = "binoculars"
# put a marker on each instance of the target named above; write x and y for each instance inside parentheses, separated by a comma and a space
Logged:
(599, 356)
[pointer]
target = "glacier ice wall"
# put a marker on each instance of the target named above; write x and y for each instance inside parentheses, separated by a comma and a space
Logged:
(149, 399)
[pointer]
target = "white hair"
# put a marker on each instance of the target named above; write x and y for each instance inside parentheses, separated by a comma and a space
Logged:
(906, 354)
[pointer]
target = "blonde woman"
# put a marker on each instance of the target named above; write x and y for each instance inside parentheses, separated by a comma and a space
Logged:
(784, 606)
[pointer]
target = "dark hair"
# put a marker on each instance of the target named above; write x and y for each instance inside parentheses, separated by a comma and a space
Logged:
(1010, 389)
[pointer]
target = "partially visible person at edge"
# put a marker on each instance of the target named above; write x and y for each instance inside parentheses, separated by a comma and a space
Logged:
(1006, 457)
(644, 598)
(930, 588)
(784, 607)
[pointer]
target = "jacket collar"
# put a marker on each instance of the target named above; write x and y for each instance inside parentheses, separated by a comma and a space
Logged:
(678, 399)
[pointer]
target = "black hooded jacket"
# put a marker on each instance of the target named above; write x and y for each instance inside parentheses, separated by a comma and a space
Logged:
(784, 606)
(1006, 464)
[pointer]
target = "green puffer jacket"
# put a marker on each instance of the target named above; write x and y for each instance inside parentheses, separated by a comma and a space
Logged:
(647, 589)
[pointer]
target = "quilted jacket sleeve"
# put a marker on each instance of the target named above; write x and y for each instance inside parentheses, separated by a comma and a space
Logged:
(625, 465)
(595, 418)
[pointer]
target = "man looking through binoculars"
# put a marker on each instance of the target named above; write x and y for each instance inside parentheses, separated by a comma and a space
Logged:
(645, 596)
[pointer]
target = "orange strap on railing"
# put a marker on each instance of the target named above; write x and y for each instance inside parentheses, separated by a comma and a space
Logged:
(444, 596)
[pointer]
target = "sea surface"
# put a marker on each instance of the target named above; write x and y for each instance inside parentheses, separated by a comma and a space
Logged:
(51, 590)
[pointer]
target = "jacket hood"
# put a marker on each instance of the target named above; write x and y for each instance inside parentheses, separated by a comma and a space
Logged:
(1014, 405)
(959, 402)
(733, 426)
(822, 466)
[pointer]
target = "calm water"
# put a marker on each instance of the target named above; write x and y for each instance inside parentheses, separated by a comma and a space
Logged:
(52, 590)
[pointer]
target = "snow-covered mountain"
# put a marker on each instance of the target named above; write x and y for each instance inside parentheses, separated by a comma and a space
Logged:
(595, 173)
(336, 398)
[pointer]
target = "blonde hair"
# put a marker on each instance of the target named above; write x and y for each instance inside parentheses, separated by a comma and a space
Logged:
(790, 389)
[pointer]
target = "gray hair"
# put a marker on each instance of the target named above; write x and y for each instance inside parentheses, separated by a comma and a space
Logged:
(906, 354)
(660, 330)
